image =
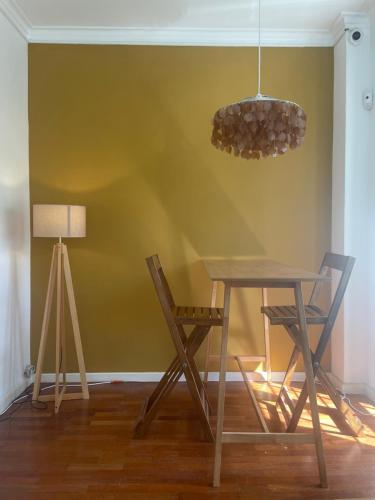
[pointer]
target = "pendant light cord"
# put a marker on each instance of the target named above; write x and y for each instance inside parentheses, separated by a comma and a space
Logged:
(259, 49)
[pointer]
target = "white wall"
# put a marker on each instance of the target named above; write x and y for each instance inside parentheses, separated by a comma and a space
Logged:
(371, 218)
(353, 215)
(339, 190)
(14, 213)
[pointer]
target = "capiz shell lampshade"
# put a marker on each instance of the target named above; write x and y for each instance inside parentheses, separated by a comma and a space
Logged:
(59, 221)
(260, 125)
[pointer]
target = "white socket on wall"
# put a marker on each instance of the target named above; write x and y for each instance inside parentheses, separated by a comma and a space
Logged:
(368, 99)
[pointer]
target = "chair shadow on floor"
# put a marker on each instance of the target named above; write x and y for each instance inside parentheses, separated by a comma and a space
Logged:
(331, 421)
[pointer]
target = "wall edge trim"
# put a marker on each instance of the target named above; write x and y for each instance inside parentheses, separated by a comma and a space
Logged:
(178, 36)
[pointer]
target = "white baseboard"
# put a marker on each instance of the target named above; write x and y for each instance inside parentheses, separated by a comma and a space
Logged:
(353, 388)
(5, 401)
(370, 393)
(347, 388)
(156, 376)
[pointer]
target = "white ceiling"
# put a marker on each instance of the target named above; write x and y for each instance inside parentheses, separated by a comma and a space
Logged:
(74, 18)
(277, 14)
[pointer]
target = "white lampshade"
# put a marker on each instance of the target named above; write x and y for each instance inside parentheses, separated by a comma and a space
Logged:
(55, 221)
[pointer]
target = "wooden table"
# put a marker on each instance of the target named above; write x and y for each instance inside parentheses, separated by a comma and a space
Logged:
(264, 273)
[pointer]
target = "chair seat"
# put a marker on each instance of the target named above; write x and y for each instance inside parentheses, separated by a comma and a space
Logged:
(287, 315)
(186, 315)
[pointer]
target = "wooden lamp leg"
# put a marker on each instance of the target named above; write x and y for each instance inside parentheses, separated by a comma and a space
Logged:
(63, 333)
(74, 316)
(46, 317)
(58, 329)
(60, 268)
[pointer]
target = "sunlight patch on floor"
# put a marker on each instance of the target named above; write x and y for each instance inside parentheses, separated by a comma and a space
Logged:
(267, 395)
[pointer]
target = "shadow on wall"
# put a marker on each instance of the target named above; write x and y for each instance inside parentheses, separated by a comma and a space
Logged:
(164, 199)
(14, 322)
(201, 211)
(127, 220)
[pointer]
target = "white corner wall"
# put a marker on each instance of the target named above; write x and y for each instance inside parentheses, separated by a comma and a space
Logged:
(353, 207)
(14, 213)
(371, 219)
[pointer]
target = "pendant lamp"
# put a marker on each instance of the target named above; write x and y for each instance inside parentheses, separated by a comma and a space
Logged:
(259, 125)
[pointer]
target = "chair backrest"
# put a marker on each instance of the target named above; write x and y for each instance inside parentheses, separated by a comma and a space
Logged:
(161, 286)
(341, 263)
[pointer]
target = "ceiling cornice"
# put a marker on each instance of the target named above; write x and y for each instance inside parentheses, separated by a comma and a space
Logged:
(16, 17)
(179, 36)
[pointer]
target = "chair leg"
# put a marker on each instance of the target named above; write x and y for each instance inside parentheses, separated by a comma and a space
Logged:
(170, 373)
(198, 400)
(152, 404)
(188, 365)
(284, 400)
(203, 331)
(172, 369)
(351, 418)
(290, 371)
(170, 379)
(301, 402)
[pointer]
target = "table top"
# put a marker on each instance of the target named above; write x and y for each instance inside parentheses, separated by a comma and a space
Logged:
(257, 270)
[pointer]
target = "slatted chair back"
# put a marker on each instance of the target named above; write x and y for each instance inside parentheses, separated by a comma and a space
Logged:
(161, 286)
(341, 263)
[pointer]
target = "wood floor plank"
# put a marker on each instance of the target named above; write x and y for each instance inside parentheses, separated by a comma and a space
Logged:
(87, 450)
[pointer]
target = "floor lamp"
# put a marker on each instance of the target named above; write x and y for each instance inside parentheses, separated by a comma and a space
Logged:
(60, 221)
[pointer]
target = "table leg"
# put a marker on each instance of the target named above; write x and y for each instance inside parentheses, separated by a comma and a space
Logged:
(221, 395)
(210, 334)
(306, 353)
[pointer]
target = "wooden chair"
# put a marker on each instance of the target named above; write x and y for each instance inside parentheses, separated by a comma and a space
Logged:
(202, 318)
(287, 316)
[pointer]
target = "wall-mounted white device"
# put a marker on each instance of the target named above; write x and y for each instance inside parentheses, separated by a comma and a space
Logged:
(368, 99)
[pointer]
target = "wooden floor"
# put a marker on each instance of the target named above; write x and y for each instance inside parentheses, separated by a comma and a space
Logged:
(87, 451)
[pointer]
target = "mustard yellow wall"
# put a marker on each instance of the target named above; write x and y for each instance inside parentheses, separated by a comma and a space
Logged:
(125, 131)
